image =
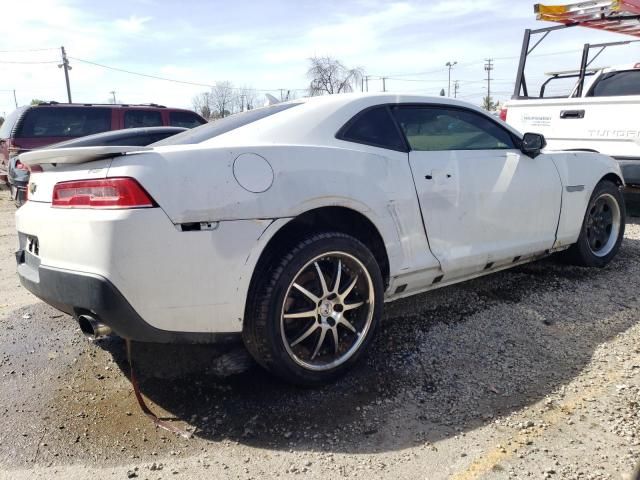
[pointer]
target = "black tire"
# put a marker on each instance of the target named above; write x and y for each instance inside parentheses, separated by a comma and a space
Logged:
(264, 330)
(582, 253)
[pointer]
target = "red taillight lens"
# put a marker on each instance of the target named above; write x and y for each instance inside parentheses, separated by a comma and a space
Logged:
(503, 114)
(20, 165)
(121, 192)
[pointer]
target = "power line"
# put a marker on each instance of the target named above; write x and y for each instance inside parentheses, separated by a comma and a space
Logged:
(28, 50)
(27, 63)
(185, 82)
(471, 64)
(197, 84)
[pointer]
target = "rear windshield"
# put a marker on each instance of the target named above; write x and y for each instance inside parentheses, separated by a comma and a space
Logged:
(9, 122)
(616, 84)
(224, 125)
(185, 119)
(64, 122)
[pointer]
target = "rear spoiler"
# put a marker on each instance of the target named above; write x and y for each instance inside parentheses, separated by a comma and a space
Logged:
(75, 154)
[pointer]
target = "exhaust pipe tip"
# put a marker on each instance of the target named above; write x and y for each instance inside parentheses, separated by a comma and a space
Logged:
(92, 328)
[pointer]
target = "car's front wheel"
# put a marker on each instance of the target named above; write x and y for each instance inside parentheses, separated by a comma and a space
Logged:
(314, 311)
(602, 228)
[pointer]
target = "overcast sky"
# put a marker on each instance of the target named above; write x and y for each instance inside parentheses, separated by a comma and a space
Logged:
(266, 45)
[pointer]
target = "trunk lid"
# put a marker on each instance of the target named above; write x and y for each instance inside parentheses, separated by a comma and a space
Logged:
(49, 167)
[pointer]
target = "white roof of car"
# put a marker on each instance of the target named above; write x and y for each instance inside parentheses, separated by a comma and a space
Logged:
(316, 120)
(324, 115)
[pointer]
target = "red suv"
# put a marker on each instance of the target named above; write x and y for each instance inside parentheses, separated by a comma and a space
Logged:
(40, 125)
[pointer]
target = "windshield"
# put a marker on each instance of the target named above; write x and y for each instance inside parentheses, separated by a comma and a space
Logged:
(224, 125)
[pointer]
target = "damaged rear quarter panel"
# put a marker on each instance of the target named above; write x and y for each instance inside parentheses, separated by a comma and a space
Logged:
(196, 184)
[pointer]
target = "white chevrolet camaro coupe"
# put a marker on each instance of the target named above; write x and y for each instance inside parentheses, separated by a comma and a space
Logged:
(290, 225)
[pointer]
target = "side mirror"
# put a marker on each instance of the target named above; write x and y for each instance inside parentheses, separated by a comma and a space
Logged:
(532, 143)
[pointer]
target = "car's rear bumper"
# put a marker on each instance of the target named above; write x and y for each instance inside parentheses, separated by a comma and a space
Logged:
(190, 284)
(78, 293)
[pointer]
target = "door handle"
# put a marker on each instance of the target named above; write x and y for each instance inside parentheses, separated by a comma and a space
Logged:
(436, 173)
(572, 114)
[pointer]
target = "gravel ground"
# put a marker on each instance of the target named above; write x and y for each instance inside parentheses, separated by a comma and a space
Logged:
(529, 373)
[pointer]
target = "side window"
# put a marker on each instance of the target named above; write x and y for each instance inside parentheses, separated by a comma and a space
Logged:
(184, 119)
(373, 127)
(616, 84)
(441, 128)
(142, 118)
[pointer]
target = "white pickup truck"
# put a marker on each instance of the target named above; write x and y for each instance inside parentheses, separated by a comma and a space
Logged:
(600, 109)
(604, 118)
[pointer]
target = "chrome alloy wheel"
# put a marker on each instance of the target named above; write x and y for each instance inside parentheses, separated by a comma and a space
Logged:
(327, 311)
(603, 225)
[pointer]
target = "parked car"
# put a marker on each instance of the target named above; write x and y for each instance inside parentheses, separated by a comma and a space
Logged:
(289, 226)
(36, 126)
(18, 174)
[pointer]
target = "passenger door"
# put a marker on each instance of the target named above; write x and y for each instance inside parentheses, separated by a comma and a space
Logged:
(484, 203)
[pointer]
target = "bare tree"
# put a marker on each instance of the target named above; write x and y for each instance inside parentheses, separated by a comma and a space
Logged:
(223, 99)
(246, 99)
(329, 75)
(202, 104)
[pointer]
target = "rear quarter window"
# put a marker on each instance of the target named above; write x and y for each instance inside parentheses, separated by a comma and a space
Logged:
(374, 127)
(185, 119)
(142, 118)
(9, 122)
(42, 122)
(616, 84)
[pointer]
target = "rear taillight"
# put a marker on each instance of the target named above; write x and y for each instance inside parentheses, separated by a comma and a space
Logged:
(120, 192)
(503, 114)
(21, 166)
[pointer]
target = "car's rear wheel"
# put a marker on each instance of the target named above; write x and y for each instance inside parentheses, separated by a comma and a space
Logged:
(602, 229)
(314, 311)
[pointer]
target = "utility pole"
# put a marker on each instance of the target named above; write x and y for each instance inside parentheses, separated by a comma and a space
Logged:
(14, 97)
(242, 97)
(450, 65)
(366, 82)
(67, 67)
(112, 92)
(282, 95)
(488, 67)
(384, 84)
(456, 87)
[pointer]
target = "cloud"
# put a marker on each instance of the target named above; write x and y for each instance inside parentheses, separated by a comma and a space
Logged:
(133, 24)
(231, 41)
(267, 46)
